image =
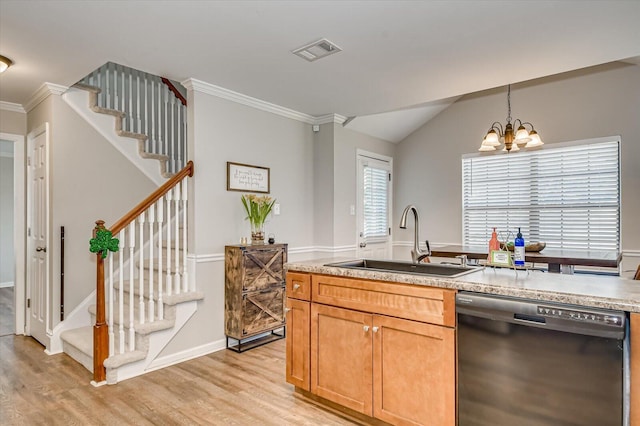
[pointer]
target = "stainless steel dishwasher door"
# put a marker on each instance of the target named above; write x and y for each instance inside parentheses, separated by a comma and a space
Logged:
(537, 363)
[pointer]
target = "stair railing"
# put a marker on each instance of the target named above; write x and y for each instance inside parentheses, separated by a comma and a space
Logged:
(133, 269)
(152, 105)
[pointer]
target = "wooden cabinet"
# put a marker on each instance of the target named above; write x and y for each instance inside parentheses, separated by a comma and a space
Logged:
(419, 358)
(341, 357)
(635, 370)
(298, 310)
(254, 293)
(367, 356)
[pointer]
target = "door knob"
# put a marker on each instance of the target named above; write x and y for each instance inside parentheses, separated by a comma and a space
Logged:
(44, 249)
(363, 245)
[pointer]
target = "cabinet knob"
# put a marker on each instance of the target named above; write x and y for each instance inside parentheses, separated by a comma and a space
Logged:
(286, 310)
(365, 328)
(296, 286)
(375, 329)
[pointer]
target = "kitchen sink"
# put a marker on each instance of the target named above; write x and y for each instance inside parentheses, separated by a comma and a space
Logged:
(430, 269)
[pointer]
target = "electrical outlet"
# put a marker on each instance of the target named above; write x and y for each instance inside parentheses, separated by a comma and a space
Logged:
(276, 209)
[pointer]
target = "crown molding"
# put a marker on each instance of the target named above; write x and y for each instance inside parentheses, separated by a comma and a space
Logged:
(10, 106)
(221, 92)
(330, 118)
(43, 93)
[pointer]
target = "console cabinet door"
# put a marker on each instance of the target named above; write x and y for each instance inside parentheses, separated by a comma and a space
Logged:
(341, 356)
(413, 372)
(298, 344)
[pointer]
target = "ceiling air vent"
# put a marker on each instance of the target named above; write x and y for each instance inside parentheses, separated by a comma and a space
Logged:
(316, 50)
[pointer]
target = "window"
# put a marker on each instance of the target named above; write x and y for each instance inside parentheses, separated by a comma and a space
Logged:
(375, 185)
(567, 196)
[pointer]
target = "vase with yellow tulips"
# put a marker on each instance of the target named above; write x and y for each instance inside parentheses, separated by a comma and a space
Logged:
(257, 208)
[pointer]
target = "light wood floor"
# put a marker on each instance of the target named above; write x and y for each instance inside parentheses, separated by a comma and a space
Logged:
(7, 311)
(223, 388)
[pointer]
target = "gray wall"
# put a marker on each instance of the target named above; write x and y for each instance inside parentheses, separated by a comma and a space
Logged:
(7, 270)
(13, 122)
(89, 180)
(221, 131)
(595, 102)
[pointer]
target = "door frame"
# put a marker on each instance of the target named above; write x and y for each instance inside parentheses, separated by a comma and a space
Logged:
(43, 128)
(360, 155)
(19, 228)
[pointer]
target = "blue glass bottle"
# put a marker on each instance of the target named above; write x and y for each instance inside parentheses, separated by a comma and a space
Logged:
(518, 252)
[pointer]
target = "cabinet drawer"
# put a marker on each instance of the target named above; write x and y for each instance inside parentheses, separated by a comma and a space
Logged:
(425, 304)
(299, 286)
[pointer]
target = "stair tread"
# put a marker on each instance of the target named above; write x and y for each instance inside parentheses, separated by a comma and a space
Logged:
(81, 338)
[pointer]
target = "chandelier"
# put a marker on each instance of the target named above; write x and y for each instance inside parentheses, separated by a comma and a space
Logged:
(497, 134)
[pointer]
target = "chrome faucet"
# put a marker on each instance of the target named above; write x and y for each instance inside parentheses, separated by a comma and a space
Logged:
(416, 254)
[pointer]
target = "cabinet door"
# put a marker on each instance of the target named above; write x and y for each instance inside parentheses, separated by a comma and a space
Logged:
(263, 267)
(298, 344)
(262, 311)
(341, 357)
(413, 372)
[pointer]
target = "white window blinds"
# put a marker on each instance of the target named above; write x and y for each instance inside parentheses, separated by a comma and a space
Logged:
(376, 190)
(566, 196)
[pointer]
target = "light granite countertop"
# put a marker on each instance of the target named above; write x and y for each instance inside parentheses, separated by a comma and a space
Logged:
(586, 290)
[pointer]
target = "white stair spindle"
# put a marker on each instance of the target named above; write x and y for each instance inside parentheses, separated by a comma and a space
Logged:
(185, 276)
(110, 313)
(138, 122)
(141, 268)
(176, 270)
(165, 128)
(121, 255)
(169, 198)
(132, 283)
(160, 218)
(151, 220)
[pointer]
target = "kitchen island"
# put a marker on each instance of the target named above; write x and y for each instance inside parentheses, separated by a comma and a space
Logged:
(336, 317)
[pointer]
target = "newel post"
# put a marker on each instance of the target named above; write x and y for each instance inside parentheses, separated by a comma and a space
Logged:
(100, 328)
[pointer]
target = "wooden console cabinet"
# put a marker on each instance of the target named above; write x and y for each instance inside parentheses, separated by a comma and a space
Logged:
(254, 293)
(384, 350)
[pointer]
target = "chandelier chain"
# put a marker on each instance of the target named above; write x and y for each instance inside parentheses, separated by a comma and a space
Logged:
(509, 104)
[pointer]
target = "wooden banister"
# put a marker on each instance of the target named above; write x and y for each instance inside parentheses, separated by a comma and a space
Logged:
(175, 90)
(155, 196)
(101, 328)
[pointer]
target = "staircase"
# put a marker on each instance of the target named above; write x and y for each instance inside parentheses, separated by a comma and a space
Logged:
(143, 292)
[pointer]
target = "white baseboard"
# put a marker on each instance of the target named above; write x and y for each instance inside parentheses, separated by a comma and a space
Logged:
(7, 284)
(186, 355)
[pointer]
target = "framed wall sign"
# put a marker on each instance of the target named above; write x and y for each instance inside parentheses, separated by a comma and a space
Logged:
(500, 258)
(246, 178)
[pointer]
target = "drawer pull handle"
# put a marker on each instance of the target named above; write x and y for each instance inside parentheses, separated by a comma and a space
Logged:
(365, 328)
(296, 286)
(375, 329)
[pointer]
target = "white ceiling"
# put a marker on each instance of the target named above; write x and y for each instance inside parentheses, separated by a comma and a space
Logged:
(396, 54)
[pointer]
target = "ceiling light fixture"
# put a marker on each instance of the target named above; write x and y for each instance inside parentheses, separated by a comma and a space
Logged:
(497, 135)
(4, 63)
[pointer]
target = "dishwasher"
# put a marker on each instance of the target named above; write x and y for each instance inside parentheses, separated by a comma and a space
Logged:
(535, 363)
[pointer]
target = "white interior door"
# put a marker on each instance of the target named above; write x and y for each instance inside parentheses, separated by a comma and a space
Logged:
(38, 235)
(373, 206)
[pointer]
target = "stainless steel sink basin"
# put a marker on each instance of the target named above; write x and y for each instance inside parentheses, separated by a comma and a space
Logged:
(431, 269)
